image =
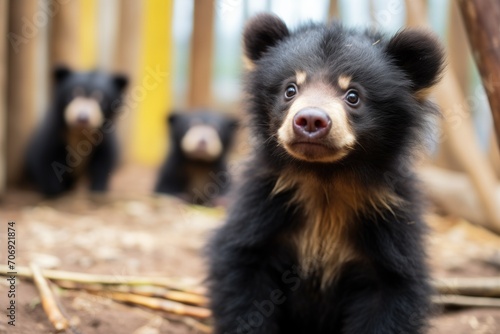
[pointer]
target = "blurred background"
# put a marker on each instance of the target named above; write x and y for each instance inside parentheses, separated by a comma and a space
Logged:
(180, 54)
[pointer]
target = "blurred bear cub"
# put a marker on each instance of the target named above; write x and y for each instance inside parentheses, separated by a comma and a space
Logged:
(196, 168)
(326, 231)
(76, 138)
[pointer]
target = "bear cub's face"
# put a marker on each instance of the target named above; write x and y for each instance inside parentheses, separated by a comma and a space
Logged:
(325, 93)
(201, 135)
(87, 99)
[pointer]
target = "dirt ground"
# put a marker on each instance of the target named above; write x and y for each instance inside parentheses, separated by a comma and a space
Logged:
(130, 232)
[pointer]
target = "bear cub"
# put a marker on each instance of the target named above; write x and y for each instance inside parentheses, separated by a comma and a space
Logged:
(76, 138)
(326, 232)
(196, 168)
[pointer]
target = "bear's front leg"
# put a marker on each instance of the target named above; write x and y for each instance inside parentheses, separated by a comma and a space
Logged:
(101, 165)
(244, 297)
(401, 309)
(397, 298)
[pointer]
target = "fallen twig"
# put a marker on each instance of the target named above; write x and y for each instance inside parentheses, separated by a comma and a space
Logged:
(465, 301)
(479, 287)
(159, 304)
(59, 275)
(49, 303)
(143, 290)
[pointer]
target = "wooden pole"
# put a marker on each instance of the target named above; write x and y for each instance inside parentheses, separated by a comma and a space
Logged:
(64, 35)
(459, 56)
(333, 9)
(458, 130)
(23, 36)
(128, 36)
(202, 44)
(3, 92)
(126, 61)
(482, 20)
(416, 13)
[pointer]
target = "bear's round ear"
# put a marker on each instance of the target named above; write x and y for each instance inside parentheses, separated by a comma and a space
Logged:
(120, 81)
(172, 116)
(231, 124)
(419, 54)
(262, 32)
(60, 73)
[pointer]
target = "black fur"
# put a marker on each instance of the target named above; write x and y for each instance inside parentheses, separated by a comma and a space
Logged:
(179, 170)
(256, 284)
(49, 164)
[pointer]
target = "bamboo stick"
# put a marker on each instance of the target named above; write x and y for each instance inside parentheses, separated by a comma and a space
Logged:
(59, 275)
(479, 287)
(465, 301)
(143, 290)
(49, 303)
(159, 304)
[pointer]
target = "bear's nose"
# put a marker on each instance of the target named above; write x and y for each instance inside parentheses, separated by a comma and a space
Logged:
(82, 118)
(312, 123)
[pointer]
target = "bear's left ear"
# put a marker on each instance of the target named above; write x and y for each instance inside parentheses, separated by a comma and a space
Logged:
(232, 124)
(419, 54)
(61, 72)
(262, 32)
(172, 117)
(120, 81)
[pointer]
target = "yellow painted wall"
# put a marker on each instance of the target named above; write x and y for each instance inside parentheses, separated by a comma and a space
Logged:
(152, 91)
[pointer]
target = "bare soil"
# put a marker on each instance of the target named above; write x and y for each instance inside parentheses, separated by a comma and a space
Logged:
(131, 232)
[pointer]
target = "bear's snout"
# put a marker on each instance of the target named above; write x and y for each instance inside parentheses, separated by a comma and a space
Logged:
(82, 118)
(311, 123)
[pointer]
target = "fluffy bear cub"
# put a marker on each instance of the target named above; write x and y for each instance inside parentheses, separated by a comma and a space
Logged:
(196, 167)
(325, 234)
(77, 136)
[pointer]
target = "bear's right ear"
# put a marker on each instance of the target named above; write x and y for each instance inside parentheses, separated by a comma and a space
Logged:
(419, 54)
(61, 73)
(172, 117)
(262, 32)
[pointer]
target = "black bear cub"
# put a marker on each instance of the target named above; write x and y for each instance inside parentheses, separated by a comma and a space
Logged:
(76, 137)
(325, 234)
(196, 168)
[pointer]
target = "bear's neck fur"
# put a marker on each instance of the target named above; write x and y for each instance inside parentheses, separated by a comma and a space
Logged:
(329, 210)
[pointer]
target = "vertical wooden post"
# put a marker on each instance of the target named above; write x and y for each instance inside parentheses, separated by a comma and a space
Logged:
(126, 60)
(459, 135)
(202, 44)
(21, 105)
(416, 13)
(64, 34)
(482, 19)
(460, 53)
(3, 92)
(128, 36)
(333, 9)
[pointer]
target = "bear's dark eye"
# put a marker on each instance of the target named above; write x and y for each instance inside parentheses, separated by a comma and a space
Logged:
(352, 98)
(291, 91)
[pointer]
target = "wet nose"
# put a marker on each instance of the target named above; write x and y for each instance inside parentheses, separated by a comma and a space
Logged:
(312, 123)
(82, 118)
(202, 144)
